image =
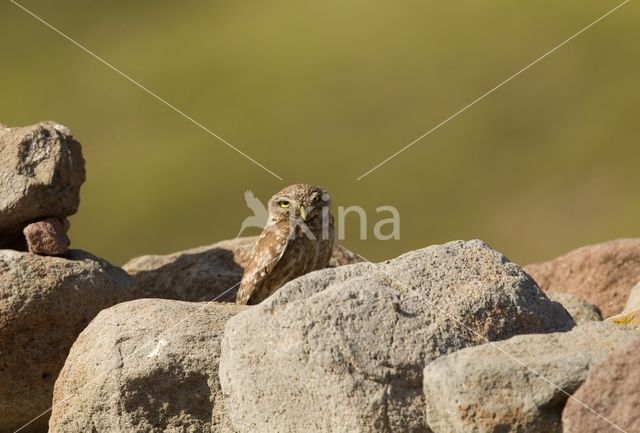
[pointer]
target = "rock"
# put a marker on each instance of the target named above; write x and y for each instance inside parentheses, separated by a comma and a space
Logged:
(41, 171)
(633, 302)
(353, 341)
(340, 257)
(495, 388)
(580, 310)
(612, 390)
(44, 304)
(628, 318)
(603, 274)
(48, 237)
(149, 365)
(205, 273)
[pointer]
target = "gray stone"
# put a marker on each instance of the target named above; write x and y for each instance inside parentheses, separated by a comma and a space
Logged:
(149, 365)
(343, 349)
(45, 302)
(41, 172)
(204, 273)
(494, 387)
(581, 310)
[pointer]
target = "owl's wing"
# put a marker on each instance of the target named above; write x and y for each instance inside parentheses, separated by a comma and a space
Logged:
(267, 253)
(328, 244)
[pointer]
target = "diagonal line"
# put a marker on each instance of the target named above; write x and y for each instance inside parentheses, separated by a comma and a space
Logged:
(121, 362)
(389, 277)
(168, 104)
(500, 349)
(484, 95)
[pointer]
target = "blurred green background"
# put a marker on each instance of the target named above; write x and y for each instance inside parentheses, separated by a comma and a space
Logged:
(320, 92)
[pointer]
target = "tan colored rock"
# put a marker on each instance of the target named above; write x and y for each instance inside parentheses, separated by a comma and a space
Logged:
(343, 349)
(41, 172)
(612, 390)
(204, 273)
(581, 310)
(149, 365)
(602, 274)
(48, 237)
(45, 302)
(497, 388)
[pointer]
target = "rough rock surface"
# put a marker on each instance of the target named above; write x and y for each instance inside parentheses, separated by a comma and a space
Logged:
(628, 318)
(603, 274)
(45, 302)
(488, 389)
(48, 237)
(343, 349)
(205, 273)
(612, 389)
(149, 365)
(41, 172)
(580, 310)
(633, 302)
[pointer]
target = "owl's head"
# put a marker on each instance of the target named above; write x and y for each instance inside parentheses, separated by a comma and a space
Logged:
(299, 201)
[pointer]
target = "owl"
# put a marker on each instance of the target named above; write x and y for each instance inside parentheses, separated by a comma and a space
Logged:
(298, 238)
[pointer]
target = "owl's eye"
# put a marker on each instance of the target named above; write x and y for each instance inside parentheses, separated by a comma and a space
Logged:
(284, 204)
(316, 198)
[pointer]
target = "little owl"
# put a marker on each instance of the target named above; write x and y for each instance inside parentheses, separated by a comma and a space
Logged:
(298, 238)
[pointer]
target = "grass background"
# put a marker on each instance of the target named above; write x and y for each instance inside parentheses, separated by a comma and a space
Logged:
(320, 92)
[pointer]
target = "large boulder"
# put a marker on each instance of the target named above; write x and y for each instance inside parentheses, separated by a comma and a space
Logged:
(602, 274)
(518, 385)
(609, 400)
(45, 302)
(581, 310)
(41, 172)
(149, 365)
(204, 273)
(343, 349)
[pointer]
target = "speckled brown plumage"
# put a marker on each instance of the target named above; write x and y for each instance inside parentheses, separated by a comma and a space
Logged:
(298, 238)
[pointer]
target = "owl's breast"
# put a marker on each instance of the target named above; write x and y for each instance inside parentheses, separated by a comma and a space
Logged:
(315, 243)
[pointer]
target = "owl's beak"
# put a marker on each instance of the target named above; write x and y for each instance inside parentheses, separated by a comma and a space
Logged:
(303, 212)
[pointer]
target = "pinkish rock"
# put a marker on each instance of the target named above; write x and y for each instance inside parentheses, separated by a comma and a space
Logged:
(48, 237)
(602, 274)
(612, 390)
